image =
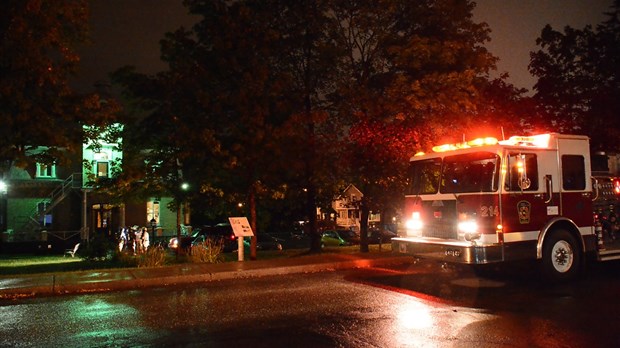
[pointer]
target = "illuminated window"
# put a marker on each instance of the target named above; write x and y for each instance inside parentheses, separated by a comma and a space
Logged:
(102, 169)
(46, 170)
(45, 218)
(152, 211)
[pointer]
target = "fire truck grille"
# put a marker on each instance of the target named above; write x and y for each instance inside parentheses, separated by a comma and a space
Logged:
(441, 231)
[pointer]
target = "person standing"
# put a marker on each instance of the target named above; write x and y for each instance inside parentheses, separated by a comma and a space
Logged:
(122, 239)
(138, 240)
(145, 239)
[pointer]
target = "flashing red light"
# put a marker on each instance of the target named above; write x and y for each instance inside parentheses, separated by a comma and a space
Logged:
(617, 186)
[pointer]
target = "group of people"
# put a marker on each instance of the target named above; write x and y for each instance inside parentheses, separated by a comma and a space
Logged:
(134, 239)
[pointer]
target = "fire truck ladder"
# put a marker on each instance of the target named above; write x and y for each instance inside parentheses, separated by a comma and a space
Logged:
(31, 228)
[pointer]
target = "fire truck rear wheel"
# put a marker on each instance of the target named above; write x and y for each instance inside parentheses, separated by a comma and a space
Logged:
(561, 256)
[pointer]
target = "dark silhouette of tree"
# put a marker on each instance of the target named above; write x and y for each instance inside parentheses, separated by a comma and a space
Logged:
(38, 109)
(285, 102)
(578, 85)
(312, 132)
(219, 113)
(410, 75)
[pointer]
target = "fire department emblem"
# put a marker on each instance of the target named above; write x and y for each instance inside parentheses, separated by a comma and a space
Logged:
(524, 208)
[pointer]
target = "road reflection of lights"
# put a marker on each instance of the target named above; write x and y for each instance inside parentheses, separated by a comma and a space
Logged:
(99, 308)
(421, 324)
(414, 315)
(107, 320)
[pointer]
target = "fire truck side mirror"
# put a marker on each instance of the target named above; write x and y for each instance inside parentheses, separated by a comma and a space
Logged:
(549, 188)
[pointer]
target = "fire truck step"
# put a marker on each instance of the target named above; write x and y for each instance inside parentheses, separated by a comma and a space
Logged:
(608, 255)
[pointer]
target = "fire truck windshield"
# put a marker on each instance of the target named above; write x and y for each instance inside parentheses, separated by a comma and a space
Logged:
(424, 176)
(463, 173)
(473, 172)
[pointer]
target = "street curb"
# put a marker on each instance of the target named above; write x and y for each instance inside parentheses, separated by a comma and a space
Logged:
(54, 285)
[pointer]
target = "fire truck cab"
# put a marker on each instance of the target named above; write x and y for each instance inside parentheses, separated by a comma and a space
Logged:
(527, 197)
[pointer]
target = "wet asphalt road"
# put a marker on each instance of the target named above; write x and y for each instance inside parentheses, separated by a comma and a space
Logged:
(419, 305)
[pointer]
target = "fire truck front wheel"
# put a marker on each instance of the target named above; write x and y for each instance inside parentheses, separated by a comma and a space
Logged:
(561, 256)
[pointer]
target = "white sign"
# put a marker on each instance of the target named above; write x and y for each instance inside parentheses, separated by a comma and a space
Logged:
(553, 210)
(241, 226)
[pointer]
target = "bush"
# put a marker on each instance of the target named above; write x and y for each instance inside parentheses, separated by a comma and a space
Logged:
(124, 259)
(207, 252)
(154, 257)
(99, 248)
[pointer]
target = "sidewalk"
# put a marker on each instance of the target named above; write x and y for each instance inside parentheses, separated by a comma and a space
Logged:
(37, 285)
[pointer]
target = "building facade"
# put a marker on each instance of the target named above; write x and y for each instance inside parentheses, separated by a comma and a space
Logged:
(53, 207)
(346, 212)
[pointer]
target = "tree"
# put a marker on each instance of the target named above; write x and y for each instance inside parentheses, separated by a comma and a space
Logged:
(578, 80)
(280, 100)
(38, 109)
(220, 107)
(410, 74)
(312, 134)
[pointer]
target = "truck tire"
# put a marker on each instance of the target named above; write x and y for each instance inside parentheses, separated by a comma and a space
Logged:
(561, 256)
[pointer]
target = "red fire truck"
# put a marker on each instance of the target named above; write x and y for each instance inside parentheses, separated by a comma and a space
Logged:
(528, 197)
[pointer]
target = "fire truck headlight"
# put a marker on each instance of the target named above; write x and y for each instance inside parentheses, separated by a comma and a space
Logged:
(469, 229)
(414, 225)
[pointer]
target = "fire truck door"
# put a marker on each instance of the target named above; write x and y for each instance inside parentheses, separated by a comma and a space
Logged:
(575, 186)
(531, 195)
(549, 175)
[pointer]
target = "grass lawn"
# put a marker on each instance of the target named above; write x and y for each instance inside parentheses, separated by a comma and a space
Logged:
(31, 264)
(15, 264)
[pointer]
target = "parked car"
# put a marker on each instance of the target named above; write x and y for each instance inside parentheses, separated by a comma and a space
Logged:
(265, 241)
(220, 232)
(186, 240)
(339, 237)
(380, 235)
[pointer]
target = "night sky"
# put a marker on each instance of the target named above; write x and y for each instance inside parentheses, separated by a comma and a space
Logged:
(127, 32)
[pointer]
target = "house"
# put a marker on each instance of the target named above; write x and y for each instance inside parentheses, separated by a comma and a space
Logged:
(53, 206)
(346, 212)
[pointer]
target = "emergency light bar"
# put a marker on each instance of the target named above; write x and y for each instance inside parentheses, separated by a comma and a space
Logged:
(540, 141)
(466, 144)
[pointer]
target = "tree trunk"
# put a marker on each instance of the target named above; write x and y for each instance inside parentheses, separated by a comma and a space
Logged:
(252, 203)
(313, 231)
(178, 228)
(364, 226)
